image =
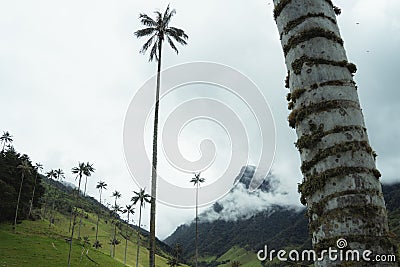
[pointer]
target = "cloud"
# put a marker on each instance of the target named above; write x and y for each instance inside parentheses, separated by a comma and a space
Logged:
(69, 70)
(241, 204)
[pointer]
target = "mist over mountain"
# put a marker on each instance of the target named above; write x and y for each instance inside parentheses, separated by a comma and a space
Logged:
(242, 204)
(246, 219)
(253, 219)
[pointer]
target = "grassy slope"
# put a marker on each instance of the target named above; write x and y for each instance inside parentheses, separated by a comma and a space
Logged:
(32, 245)
(246, 258)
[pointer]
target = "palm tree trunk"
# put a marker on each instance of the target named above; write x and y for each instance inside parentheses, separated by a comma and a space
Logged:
(70, 220)
(33, 195)
(154, 165)
(196, 246)
(115, 237)
(138, 236)
(19, 196)
(98, 219)
(51, 213)
(340, 187)
(73, 227)
(112, 238)
(126, 239)
(80, 214)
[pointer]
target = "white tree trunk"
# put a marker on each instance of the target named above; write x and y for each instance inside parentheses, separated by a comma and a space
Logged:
(341, 185)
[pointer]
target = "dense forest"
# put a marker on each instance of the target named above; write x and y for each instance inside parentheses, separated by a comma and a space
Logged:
(11, 173)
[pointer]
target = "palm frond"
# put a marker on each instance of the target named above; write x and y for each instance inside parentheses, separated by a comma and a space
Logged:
(147, 20)
(178, 34)
(147, 44)
(171, 43)
(158, 18)
(144, 32)
(168, 15)
(153, 52)
(134, 200)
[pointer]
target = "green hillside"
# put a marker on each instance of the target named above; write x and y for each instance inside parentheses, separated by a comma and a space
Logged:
(37, 244)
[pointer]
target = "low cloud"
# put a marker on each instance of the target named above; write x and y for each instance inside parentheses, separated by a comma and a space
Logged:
(241, 204)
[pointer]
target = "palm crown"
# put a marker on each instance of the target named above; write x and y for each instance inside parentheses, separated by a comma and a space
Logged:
(59, 174)
(6, 138)
(101, 185)
(158, 29)
(116, 194)
(51, 174)
(196, 180)
(141, 197)
(89, 169)
(38, 167)
(25, 167)
(80, 170)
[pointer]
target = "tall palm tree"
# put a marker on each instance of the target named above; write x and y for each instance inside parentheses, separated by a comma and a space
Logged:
(130, 210)
(141, 198)
(197, 180)
(101, 186)
(25, 169)
(6, 138)
(38, 167)
(158, 30)
(341, 187)
(50, 175)
(57, 175)
(87, 172)
(80, 170)
(116, 209)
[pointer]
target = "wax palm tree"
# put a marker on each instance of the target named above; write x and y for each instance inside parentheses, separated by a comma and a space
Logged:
(197, 180)
(87, 172)
(140, 197)
(25, 169)
(51, 174)
(6, 138)
(57, 175)
(116, 208)
(50, 196)
(130, 210)
(114, 241)
(101, 186)
(157, 30)
(38, 167)
(79, 171)
(341, 187)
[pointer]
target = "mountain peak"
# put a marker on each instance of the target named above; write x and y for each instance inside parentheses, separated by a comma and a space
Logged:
(246, 175)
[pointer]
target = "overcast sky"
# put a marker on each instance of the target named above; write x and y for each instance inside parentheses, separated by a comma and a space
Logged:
(69, 70)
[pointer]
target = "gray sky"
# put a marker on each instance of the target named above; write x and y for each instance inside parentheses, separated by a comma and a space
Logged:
(68, 71)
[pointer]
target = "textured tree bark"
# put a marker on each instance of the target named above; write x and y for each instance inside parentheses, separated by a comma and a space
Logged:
(138, 236)
(341, 187)
(152, 239)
